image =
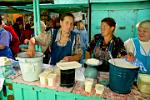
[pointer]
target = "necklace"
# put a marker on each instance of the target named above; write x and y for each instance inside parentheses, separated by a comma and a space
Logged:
(63, 39)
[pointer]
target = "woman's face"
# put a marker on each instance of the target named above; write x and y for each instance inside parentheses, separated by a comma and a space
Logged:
(106, 29)
(143, 34)
(67, 24)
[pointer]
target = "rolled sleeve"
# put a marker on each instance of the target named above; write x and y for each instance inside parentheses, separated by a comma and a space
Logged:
(44, 41)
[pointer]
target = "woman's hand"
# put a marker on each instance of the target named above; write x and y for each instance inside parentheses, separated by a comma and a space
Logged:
(26, 41)
(30, 53)
(32, 40)
(31, 49)
(130, 57)
(67, 58)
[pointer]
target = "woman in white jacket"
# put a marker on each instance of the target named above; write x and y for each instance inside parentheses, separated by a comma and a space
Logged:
(140, 47)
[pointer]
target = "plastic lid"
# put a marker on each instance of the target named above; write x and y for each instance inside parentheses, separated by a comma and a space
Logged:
(68, 65)
(119, 62)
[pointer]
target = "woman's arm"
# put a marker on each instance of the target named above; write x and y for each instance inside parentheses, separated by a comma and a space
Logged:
(76, 57)
(31, 48)
(129, 45)
(88, 55)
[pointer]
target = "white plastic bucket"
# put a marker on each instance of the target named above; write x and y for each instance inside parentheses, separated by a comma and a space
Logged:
(30, 67)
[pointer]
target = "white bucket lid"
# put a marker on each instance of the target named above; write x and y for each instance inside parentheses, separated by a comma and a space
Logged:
(122, 63)
(68, 65)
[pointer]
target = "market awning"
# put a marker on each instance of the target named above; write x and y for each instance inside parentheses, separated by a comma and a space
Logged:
(21, 2)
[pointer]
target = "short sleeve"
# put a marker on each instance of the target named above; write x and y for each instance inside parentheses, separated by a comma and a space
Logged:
(5, 38)
(44, 41)
(129, 45)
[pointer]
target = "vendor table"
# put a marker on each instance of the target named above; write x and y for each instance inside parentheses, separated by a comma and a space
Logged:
(17, 89)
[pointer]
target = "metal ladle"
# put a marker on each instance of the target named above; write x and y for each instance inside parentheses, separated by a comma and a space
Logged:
(111, 57)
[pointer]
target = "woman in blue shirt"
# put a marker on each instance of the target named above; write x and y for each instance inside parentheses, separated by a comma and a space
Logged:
(5, 38)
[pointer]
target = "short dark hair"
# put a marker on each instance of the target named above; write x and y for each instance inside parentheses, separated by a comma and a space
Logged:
(66, 14)
(19, 19)
(27, 26)
(110, 21)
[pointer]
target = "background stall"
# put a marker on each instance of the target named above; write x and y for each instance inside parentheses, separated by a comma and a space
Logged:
(127, 13)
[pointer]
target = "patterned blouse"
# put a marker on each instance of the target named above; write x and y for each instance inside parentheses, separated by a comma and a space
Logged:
(47, 41)
(102, 51)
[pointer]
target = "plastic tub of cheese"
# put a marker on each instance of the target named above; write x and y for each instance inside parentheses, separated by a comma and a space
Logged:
(67, 73)
(144, 83)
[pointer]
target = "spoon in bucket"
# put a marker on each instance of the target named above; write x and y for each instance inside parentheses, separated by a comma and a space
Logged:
(111, 57)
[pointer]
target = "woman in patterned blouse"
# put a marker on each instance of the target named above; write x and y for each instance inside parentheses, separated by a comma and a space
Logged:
(105, 43)
(64, 43)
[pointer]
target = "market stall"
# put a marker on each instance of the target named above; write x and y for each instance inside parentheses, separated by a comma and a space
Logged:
(23, 90)
(48, 83)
